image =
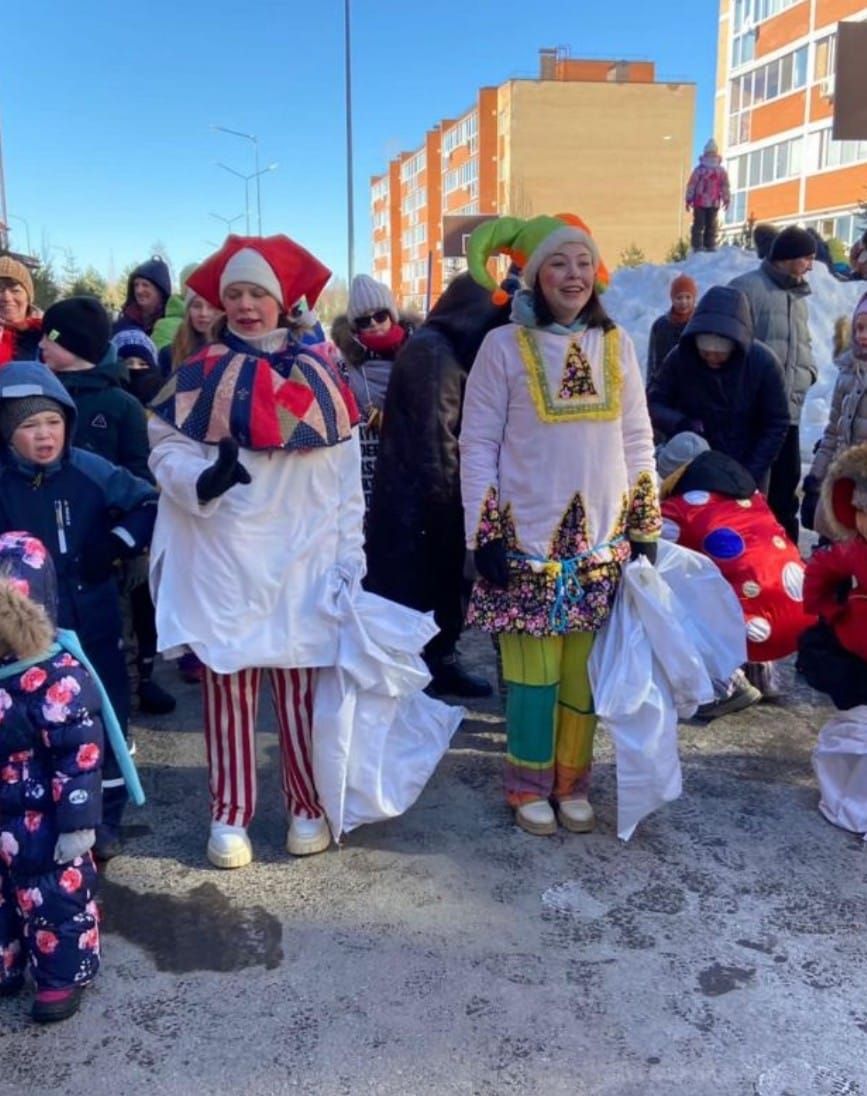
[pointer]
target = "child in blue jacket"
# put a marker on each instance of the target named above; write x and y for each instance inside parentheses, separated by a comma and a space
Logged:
(51, 750)
(89, 514)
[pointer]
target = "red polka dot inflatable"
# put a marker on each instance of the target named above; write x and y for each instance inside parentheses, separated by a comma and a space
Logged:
(763, 567)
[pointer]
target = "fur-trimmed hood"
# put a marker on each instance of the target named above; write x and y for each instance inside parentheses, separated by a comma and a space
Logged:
(28, 596)
(844, 490)
(351, 349)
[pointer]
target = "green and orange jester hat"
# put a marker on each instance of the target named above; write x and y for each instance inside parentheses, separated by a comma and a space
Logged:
(528, 244)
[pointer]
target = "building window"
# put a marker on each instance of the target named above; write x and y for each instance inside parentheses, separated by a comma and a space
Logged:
(771, 81)
(825, 61)
(379, 190)
(464, 133)
(464, 176)
(824, 152)
(414, 199)
(411, 167)
(770, 164)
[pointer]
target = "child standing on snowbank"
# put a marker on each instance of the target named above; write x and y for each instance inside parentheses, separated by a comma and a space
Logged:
(51, 749)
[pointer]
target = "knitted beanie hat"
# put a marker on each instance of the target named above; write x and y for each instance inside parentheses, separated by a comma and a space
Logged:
(680, 449)
(792, 243)
(249, 266)
(711, 148)
(366, 295)
(14, 411)
(717, 344)
(683, 284)
(764, 235)
(528, 244)
(155, 271)
(132, 342)
(80, 325)
(17, 272)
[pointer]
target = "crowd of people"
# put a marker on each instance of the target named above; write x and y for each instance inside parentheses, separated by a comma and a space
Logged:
(209, 466)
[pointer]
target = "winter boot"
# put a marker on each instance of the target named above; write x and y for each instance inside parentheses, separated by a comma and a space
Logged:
(152, 698)
(52, 1005)
(451, 679)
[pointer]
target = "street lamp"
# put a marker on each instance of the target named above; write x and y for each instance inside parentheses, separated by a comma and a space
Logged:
(249, 137)
(350, 203)
(227, 221)
(15, 217)
(247, 178)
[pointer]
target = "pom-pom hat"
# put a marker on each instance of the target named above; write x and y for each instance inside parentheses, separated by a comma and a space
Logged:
(528, 244)
(283, 268)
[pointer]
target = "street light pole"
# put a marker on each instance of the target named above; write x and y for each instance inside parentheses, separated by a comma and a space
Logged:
(256, 175)
(227, 221)
(15, 217)
(256, 172)
(350, 207)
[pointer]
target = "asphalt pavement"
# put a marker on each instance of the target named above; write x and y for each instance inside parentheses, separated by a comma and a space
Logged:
(722, 950)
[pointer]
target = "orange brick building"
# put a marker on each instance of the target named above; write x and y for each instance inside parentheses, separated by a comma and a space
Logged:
(773, 115)
(600, 138)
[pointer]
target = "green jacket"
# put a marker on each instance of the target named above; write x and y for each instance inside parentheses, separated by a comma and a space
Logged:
(166, 328)
(111, 422)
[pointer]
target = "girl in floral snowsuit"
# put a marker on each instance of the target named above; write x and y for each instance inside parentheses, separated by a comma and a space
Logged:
(51, 742)
(559, 489)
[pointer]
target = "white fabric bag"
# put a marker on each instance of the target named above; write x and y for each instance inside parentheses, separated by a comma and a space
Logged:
(377, 738)
(840, 764)
(673, 627)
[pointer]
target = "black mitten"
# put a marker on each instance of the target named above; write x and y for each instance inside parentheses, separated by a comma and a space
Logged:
(98, 558)
(492, 564)
(224, 473)
(645, 548)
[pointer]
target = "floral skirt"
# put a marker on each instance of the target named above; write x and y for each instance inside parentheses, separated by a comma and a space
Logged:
(539, 602)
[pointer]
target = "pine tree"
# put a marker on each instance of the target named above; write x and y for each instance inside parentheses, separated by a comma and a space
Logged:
(632, 256)
(678, 252)
(46, 289)
(91, 283)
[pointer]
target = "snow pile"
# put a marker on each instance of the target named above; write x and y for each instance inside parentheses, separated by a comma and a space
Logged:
(637, 295)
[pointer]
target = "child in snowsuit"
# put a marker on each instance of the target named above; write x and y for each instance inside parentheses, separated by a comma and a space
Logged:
(51, 750)
(667, 328)
(88, 513)
(706, 191)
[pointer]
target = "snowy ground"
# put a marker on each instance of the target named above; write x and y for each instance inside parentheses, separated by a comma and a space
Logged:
(638, 295)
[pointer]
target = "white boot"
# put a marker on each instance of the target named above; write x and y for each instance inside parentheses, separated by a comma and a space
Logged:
(576, 815)
(229, 846)
(307, 836)
(537, 818)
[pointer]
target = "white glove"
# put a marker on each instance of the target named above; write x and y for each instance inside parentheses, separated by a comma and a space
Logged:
(72, 845)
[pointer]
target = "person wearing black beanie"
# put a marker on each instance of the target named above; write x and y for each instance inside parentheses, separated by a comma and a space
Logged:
(148, 289)
(81, 326)
(777, 293)
(764, 235)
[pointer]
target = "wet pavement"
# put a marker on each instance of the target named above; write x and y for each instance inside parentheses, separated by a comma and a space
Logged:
(723, 950)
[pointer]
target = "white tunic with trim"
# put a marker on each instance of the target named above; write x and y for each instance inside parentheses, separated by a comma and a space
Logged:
(240, 580)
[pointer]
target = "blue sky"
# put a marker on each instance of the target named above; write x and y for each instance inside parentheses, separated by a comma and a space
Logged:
(106, 110)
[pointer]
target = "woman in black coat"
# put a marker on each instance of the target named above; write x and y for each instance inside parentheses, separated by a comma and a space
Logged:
(415, 532)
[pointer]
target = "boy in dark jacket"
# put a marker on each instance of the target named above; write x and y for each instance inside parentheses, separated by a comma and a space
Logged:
(51, 748)
(88, 513)
(723, 384)
(112, 423)
(667, 329)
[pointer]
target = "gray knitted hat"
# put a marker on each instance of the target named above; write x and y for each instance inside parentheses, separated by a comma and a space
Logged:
(366, 295)
(13, 412)
(679, 450)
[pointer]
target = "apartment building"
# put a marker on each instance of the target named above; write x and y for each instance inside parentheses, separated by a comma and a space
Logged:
(774, 112)
(603, 139)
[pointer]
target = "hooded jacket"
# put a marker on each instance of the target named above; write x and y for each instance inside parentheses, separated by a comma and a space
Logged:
(72, 506)
(708, 186)
(778, 309)
(156, 271)
(847, 420)
(740, 408)
(368, 372)
(415, 532)
(836, 583)
(110, 421)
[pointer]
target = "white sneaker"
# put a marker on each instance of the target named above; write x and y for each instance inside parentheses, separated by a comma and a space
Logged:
(307, 836)
(576, 815)
(537, 818)
(229, 846)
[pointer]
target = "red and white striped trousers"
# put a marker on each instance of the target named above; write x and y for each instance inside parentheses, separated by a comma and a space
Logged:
(231, 702)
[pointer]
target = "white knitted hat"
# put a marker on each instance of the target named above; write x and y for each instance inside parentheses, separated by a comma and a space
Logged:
(248, 265)
(366, 295)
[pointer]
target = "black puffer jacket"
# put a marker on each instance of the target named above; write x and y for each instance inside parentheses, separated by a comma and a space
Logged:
(740, 408)
(415, 533)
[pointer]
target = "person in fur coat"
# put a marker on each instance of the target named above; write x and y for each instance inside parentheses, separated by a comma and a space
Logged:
(369, 337)
(51, 748)
(847, 421)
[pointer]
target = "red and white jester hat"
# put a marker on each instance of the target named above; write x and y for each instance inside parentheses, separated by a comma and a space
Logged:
(282, 267)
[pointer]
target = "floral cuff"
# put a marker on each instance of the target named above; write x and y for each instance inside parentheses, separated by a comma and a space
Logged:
(490, 526)
(645, 519)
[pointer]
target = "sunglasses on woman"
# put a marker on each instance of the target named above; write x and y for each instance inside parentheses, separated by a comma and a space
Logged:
(381, 316)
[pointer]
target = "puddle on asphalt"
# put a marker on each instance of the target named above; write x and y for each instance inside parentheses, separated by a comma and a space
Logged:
(202, 930)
